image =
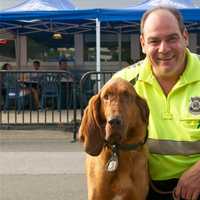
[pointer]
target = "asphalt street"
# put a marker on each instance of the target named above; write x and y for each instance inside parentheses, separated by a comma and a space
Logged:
(41, 165)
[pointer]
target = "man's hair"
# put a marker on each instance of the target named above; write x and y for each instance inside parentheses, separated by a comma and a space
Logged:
(5, 66)
(172, 10)
(36, 62)
(62, 60)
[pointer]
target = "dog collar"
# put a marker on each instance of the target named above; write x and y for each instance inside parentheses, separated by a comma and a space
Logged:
(126, 147)
(113, 162)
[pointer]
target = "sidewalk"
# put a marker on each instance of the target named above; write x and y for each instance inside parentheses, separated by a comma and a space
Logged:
(37, 140)
(41, 165)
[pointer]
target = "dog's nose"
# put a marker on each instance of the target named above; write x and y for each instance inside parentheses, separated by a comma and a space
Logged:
(115, 121)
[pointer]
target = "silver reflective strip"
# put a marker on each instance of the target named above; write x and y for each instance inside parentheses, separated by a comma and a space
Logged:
(169, 147)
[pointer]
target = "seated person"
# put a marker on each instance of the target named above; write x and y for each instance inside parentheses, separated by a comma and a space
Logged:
(66, 80)
(36, 67)
(2, 85)
(62, 64)
(34, 88)
(12, 87)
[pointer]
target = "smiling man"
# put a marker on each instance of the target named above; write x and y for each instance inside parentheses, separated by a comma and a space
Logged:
(169, 80)
(164, 41)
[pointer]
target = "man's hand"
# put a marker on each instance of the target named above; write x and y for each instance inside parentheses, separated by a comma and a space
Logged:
(188, 186)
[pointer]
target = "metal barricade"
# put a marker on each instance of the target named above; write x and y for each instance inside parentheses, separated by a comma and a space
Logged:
(38, 99)
(90, 83)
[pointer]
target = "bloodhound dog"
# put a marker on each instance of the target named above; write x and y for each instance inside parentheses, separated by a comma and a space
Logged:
(114, 133)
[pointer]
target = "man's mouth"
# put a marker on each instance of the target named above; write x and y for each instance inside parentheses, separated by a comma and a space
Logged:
(165, 59)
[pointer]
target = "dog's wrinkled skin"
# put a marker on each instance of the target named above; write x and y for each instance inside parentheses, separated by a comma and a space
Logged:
(118, 115)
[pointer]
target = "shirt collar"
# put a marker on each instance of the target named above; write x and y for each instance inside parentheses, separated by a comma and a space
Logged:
(192, 70)
(146, 73)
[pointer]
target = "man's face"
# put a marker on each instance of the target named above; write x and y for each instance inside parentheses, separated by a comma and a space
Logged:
(164, 44)
(36, 66)
(63, 65)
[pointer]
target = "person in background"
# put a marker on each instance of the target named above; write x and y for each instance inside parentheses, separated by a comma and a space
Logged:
(12, 84)
(66, 79)
(35, 77)
(169, 80)
(6, 77)
(62, 64)
(5, 66)
(36, 65)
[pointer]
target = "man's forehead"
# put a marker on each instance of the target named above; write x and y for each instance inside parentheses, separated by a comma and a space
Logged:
(164, 36)
(164, 23)
(158, 15)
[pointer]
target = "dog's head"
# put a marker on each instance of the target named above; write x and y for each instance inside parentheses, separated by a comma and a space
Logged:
(116, 114)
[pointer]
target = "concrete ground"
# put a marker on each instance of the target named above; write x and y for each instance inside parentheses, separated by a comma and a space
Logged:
(41, 165)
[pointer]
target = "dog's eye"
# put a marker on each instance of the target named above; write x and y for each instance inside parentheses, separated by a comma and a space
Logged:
(126, 94)
(106, 96)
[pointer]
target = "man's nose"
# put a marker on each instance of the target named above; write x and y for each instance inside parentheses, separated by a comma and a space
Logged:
(163, 47)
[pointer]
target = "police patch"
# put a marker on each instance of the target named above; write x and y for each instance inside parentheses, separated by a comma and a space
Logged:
(194, 107)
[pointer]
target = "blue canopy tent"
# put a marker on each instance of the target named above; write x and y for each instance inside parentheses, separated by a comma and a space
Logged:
(177, 3)
(69, 21)
(43, 18)
(41, 5)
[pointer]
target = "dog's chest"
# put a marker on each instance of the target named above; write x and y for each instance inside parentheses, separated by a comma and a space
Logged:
(117, 197)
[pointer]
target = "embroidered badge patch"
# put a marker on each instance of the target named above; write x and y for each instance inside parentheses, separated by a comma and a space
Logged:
(194, 107)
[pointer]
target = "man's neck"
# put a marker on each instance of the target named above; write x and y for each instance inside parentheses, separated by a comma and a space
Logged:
(167, 85)
(168, 82)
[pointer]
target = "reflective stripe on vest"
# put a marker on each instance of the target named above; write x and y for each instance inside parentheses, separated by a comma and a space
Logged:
(169, 147)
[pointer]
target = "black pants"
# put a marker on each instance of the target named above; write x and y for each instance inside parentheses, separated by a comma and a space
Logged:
(164, 186)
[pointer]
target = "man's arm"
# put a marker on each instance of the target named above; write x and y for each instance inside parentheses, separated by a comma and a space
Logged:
(188, 186)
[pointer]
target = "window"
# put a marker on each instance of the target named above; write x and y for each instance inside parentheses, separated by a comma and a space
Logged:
(109, 47)
(89, 47)
(43, 47)
(126, 47)
(7, 50)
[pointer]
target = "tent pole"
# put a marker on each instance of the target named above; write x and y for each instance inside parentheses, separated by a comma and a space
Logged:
(17, 50)
(98, 50)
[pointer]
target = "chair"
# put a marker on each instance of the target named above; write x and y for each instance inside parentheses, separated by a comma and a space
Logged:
(66, 81)
(89, 91)
(50, 89)
(15, 93)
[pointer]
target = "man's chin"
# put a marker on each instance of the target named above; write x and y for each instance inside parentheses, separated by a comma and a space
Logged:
(166, 66)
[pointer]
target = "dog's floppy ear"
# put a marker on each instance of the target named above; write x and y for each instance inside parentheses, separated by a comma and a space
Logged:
(90, 129)
(144, 109)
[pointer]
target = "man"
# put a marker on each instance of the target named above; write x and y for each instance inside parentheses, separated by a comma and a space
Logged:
(36, 65)
(169, 80)
(35, 77)
(63, 64)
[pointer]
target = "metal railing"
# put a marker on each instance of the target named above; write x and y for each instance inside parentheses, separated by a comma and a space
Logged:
(38, 99)
(90, 84)
(46, 99)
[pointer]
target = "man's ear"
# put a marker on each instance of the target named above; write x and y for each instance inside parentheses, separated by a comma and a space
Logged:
(142, 43)
(186, 37)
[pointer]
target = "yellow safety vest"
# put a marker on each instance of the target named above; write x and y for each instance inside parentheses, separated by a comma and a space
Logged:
(174, 121)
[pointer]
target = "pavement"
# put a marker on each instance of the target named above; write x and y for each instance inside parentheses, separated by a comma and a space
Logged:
(41, 165)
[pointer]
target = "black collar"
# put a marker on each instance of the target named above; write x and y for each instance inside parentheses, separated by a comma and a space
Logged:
(126, 147)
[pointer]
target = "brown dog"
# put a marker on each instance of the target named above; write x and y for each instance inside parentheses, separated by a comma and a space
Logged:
(114, 133)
